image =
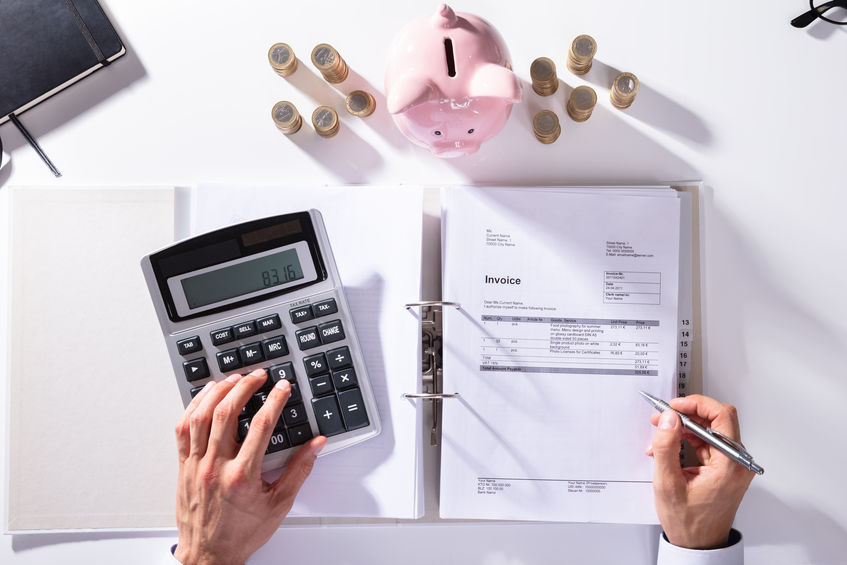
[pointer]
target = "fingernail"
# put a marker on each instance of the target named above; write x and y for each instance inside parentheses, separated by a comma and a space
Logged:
(318, 448)
(668, 419)
(233, 378)
(209, 384)
(258, 372)
(283, 385)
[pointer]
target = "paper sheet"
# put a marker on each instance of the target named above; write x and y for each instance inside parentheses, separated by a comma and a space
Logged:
(90, 431)
(375, 233)
(568, 308)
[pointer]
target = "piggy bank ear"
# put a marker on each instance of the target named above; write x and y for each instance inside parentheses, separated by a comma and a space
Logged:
(410, 91)
(495, 81)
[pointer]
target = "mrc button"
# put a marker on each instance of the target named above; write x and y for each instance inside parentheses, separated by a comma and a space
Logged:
(308, 338)
(331, 331)
(325, 307)
(189, 345)
(301, 314)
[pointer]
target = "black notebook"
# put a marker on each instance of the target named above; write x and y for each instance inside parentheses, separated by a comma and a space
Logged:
(47, 45)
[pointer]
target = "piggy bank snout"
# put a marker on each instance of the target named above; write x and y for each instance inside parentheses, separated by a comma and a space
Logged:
(457, 148)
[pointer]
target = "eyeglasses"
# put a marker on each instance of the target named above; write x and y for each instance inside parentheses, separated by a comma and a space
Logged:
(835, 10)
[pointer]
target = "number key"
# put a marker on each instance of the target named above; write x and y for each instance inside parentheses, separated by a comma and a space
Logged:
(293, 415)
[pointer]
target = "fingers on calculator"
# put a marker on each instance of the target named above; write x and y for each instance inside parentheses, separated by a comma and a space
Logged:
(225, 420)
(262, 425)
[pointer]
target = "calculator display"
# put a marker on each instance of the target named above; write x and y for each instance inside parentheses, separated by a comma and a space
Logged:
(242, 278)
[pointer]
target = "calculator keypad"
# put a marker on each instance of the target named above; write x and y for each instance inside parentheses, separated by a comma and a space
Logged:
(335, 399)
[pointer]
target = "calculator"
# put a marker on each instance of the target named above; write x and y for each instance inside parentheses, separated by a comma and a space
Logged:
(267, 294)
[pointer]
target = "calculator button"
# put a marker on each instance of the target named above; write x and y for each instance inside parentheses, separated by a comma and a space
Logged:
(308, 338)
(196, 369)
(247, 410)
(320, 385)
(245, 330)
(269, 323)
(331, 331)
(353, 409)
(243, 428)
(259, 400)
(190, 345)
(294, 414)
(228, 360)
(251, 353)
(221, 336)
(315, 364)
(275, 347)
(295, 393)
(279, 441)
(339, 358)
(327, 415)
(324, 307)
(345, 378)
(300, 434)
(194, 391)
(282, 371)
(301, 314)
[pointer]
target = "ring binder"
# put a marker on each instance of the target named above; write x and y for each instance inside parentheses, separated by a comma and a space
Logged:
(431, 365)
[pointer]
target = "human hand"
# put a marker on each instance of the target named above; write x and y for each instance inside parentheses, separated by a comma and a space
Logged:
(696, 505)
(224, 509)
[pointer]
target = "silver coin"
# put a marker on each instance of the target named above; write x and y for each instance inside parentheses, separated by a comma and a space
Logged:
(280, 55)
(324, 56)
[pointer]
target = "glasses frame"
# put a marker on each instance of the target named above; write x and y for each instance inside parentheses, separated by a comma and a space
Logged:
(816, 12)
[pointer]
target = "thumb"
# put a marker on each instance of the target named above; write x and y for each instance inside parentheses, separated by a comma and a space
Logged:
(666, 446)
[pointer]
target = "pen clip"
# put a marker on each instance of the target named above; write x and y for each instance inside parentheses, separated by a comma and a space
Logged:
(743, 452)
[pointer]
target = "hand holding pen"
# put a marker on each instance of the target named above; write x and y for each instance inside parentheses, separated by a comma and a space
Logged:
(697, 505)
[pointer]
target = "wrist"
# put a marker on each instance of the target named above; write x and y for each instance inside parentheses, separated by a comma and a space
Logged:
(693, 539)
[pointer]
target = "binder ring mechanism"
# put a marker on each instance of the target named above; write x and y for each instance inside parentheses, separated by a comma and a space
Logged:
(431, 362)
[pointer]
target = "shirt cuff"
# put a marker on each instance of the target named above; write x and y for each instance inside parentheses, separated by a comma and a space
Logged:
(733, 554)
(171, 560)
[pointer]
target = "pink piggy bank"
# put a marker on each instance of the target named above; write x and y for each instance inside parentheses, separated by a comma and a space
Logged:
(449, 84)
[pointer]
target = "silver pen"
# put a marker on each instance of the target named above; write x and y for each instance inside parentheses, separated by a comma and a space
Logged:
(725, 445)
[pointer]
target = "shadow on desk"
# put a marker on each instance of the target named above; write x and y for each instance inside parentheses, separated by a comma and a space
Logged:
(608, 146)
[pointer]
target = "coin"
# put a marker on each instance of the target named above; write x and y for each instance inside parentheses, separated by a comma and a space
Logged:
(623, 91)
(545, 126)
(329, 63)
(282, 59)
(286, 117)
(325, 120)
(581, 54)
(543, 74)
(581, 103)
(360, 103)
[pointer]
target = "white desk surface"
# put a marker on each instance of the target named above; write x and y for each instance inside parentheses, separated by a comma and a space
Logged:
(730, 94)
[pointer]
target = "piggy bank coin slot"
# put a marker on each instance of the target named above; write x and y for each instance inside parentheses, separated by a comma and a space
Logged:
(451, 61)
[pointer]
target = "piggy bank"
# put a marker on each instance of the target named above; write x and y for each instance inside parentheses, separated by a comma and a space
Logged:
(449, 83)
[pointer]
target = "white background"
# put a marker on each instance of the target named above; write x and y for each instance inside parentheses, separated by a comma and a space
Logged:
(730, 94)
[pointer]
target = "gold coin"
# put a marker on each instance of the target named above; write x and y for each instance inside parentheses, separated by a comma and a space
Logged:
(581, 54)
(325, 120)
(327, 60)
(624, 90)
(581, 103)
(360, 103)
(282, 59)
(286, 117)
(543, 74)
(545, 126)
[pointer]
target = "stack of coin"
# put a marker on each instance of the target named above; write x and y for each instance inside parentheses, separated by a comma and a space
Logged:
(329, 63)
(581, 54)
(544, 79)
(360, 103)
(545, 126)
(286, 117)
(325, 120)
(282, 59)
(581, 103)
(624, 90)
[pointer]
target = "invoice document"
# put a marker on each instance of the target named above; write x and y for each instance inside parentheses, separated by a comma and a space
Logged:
(568, 307)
